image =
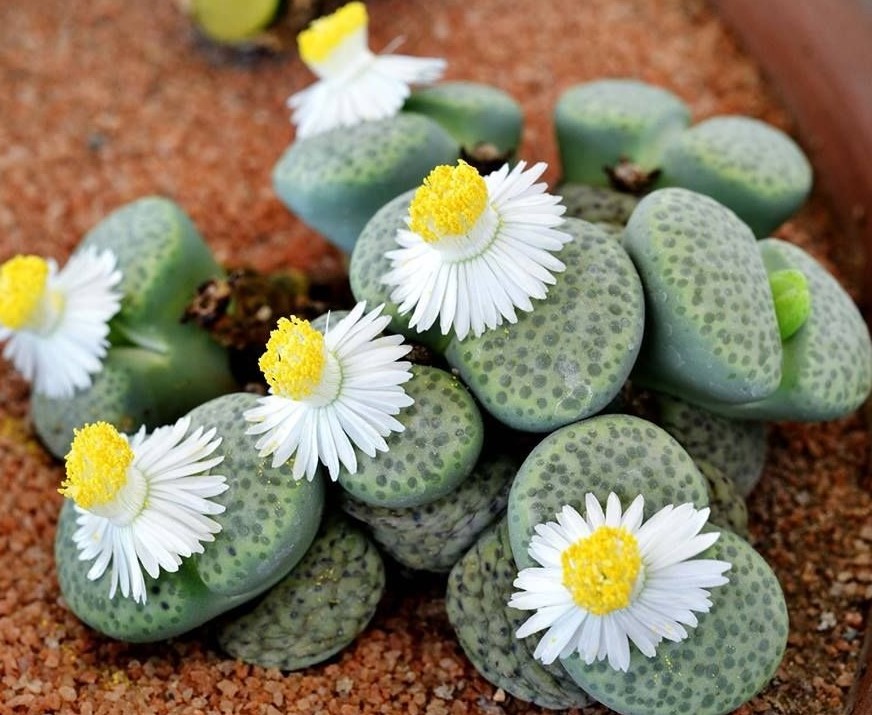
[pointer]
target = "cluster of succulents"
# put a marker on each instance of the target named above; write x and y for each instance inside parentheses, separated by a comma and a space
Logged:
(671, 329)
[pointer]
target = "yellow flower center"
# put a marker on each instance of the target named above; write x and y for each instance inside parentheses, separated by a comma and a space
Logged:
(449, 202)
(317, 42)
(600, 570)
(97, 465)
(294, 359)
(22, 284)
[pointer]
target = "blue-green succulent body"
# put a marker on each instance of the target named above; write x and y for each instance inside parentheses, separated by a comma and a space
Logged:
(268, 523)
(157, 367)
(337, 180)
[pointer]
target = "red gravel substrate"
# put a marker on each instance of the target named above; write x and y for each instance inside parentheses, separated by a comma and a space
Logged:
(107, 101)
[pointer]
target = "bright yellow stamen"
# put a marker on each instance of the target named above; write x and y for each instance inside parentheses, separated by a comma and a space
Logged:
(449, 202)
(22, 284)
(294, 359)
(600, 570)
(317, 42)
(97, 465)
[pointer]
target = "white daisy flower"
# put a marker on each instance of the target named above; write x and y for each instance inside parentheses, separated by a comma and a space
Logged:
(354, 85)
(142, 502)
(56, 323)
(476, 248)
(607, 578)
(329, 391)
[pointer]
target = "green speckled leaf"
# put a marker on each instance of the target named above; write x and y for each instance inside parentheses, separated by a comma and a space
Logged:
(751, 167)
(827, 366)
(728, 508)
(322, 605)
(571, 355)
(121, 395)
(434, 536)
(177, 602)
(138, 387)
(472, 113)
(479, 587)
(727, 659)
(269, 522)
(270, 519)
(337, 180)
(599, 123)
(737, 448)
(711, 331)
(157, 367)
(610, 453)
(162, 259)
(607, 208)
(435, 452)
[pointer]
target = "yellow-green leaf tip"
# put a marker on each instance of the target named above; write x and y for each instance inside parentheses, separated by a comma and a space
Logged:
(792, 300)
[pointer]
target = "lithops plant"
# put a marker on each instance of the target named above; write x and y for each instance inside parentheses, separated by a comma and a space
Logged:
(267, 525)
(615, 131)
(484, 120)
(157, 367)
(827, 360)
(432, 537)
(354, 85)
(608, 453)
(536, 319)
(335, 181)
(617, 569)
(711, 331)
(353, 152)
(434, 453)
(481, 583)
(729, 656)
(315, 611)
(270, 519)
(571, 355)
(747, 165)
(635, 137)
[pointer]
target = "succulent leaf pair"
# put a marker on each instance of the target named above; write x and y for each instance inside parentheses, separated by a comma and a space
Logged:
(157, 368)
(337, 180)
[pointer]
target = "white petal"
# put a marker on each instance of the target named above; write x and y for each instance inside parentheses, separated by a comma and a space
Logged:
(64, 358)
(357, 86)
(590, 638)
(573, 524)
(593, 511)
(559, 635)
(172, 522)
(615, 643)
(613, 510)
(544, 617)
(670, 593)
(632, 518)
(480, 291)
(641, 635)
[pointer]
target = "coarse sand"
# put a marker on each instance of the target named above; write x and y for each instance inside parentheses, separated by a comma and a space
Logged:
(103, 102)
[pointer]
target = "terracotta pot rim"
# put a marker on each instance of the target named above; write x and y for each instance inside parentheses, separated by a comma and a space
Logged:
(820, 69)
